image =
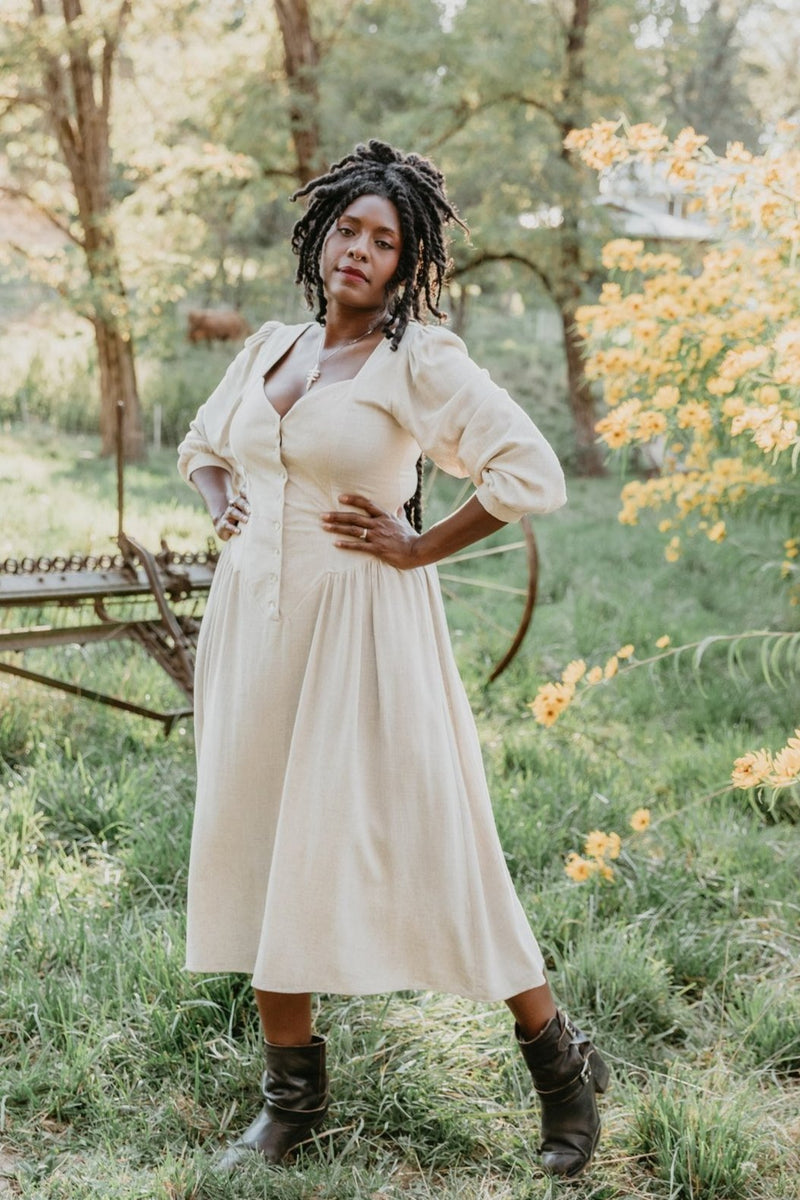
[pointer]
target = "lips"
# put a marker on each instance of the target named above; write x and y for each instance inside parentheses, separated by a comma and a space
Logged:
(353, 273)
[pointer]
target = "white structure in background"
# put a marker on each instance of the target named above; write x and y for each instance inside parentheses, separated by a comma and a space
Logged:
(643, 203)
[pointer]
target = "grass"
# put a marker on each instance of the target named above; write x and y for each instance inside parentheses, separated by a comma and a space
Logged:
(120, 1075)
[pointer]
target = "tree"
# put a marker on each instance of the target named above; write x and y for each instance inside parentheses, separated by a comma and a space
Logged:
(534, 95)
(702, 77)
(69, 58)
(301, 64)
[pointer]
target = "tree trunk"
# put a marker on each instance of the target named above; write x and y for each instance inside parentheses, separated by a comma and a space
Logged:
(118, 390)
(588, 454)
(78, 91)
(568, 287)
(301, 63)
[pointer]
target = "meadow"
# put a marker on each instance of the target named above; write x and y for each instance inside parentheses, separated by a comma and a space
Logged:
(122, 1075)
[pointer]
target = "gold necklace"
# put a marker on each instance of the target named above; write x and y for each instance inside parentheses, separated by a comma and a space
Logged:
(315, 372)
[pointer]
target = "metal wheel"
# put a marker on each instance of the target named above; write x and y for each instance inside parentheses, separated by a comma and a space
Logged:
(489, 588)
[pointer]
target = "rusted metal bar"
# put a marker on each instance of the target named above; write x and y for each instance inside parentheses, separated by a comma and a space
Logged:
(167, 719)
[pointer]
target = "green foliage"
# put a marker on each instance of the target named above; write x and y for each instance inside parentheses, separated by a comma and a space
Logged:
(122, 1074)
(702, 1145)
(766, 1018)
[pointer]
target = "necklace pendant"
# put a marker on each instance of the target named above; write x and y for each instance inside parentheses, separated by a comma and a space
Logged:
(312, 377)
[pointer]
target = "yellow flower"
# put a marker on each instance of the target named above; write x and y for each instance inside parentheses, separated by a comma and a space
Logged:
(640, 820)
(574, 671)
(618, 428)
(625, 651)
(606, 871)
(717, 532)
(614, 845)
(596, 844)
(736, 153)
(647, 139)
(719, 386)
(663, 641)
(578, 868)
(687, 143)
(611, 667)
(694, 415)
(595, 675)
(786, 767)
(751, 768)
(650, 425)
(550, 701)
(666, 397)
(673, 550)
(622, 253)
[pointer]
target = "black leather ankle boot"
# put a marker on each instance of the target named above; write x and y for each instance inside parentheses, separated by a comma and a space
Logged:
(295, 1090)
(566, 1071)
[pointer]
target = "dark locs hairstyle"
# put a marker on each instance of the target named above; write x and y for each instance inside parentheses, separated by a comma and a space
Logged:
(417, 190)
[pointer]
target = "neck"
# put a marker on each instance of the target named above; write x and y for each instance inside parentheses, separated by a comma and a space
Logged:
(342, 325)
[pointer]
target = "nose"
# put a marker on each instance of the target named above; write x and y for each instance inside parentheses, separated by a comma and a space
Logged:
(358, 247)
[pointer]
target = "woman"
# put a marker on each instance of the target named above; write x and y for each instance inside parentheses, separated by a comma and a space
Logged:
(343, 837)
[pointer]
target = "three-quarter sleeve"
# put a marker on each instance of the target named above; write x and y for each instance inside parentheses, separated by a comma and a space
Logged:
(207, 443)
(470, 427)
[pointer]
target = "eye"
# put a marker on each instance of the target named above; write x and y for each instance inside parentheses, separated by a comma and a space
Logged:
(385, 245)
(345, 230)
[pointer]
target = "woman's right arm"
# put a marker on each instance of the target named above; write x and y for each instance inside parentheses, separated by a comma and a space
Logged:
(228, 509)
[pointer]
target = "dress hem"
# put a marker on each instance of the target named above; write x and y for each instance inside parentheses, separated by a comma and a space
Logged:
(381, 988)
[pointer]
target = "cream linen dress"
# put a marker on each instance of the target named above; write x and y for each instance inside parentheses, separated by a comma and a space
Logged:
(343, 838)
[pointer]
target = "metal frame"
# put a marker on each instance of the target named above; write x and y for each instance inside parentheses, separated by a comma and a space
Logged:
(86, 586)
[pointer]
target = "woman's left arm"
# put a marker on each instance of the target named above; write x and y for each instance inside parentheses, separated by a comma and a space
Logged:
(391, 538)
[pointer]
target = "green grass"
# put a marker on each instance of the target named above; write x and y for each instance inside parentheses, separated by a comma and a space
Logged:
(120, 1075)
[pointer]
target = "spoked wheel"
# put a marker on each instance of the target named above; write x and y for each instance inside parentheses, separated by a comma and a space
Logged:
(489, 588)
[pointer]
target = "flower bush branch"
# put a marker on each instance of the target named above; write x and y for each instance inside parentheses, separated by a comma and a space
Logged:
(760, 767)
(600, 850)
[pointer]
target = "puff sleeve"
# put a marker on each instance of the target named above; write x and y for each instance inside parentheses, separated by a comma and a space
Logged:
(470, 427)
(207, 443)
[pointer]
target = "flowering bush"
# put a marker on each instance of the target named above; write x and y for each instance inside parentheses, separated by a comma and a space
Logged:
(702, 357)
(705, 356)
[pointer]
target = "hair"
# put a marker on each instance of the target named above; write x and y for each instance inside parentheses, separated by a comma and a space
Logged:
(417, 190)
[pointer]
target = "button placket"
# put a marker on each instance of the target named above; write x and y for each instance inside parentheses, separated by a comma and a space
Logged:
(274, 576)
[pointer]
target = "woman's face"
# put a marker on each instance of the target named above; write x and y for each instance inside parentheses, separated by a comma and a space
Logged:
(361, 253)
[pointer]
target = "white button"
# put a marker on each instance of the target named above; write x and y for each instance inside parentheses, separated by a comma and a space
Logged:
(276, 524)
(272, 606)
(273, 578)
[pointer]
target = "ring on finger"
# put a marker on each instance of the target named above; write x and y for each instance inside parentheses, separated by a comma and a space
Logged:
(363, 535)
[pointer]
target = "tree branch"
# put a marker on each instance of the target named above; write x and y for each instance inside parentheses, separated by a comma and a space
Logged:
(464, 112)
(23, 96)
(489, 256)
(56, 104)
(20, 194)
(110, 47)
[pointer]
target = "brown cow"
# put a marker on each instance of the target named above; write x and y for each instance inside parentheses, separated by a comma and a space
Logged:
(216, 325)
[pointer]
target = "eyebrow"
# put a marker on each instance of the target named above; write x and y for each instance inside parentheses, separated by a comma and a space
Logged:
(380, 228)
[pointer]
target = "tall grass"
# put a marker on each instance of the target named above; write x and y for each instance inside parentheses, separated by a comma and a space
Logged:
(121, 1075)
